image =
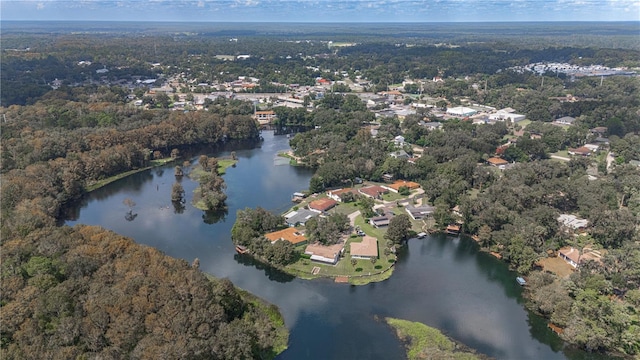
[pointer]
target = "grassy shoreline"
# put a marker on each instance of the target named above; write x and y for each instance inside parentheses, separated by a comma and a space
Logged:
(100, 183)
(424, 342)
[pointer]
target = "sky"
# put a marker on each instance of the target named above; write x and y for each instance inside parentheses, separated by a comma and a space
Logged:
(322, 10)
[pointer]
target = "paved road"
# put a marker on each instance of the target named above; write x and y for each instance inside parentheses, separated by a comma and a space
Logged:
(353, 216)
(610, 160)
(560, 157)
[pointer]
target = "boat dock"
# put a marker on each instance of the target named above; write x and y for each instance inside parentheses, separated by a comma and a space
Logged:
(453, 229)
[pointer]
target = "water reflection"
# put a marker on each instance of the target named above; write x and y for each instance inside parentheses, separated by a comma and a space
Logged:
(271, 272)
(213, 216)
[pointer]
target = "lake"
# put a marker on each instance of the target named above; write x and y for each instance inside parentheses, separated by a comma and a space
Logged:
(441, 281)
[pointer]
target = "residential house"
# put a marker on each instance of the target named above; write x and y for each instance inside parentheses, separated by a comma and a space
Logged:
(373, 191)
(322, 205)
(395, 187)
(400, 154)
(299, 217)
(565, 120)
(291, 234)
(338, 193)
(572, 222)
(599, 131)
(434, 125)
(497, 162)
(380, 221)
(592, 147)
(265, 117)
(325, 254)
(367, 249)
(399, 140)
(582, 151)
(419, 212)
(573, 257)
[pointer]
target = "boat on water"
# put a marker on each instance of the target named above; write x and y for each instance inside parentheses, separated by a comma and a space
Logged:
(241, 249)
(521, 281)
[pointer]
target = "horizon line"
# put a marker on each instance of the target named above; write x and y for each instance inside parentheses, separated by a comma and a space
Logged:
(322, 22)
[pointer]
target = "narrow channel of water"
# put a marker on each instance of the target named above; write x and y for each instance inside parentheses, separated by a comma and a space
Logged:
(441, 281)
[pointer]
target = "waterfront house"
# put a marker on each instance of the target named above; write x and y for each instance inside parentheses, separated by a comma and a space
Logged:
(419, 212)
(380, 221)
(299, 217)
(338, 193)
(291, 234)
(265, 117)
(573, 257)
(367, 249)
(322, 205)
(325, 254)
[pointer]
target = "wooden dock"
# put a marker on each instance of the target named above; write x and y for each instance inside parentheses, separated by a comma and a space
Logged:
(453, 229)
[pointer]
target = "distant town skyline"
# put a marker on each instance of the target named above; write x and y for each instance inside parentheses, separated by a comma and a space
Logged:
(322, 10)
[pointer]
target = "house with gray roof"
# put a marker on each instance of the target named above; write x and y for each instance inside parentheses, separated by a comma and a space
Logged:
(299, 217)
(419, 212)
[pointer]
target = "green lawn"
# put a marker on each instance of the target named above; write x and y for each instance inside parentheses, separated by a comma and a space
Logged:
(524, 123)
(393, 196)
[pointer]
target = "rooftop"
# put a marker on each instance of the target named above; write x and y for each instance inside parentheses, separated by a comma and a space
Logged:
(374, 191)
(324, 253)
(400, 183)
(299, 216)
(497, 161)
(322, 204)
(572, 221)
(367, 248)
(291, 235)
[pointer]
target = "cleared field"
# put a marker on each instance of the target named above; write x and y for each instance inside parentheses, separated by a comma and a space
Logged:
(557, 266)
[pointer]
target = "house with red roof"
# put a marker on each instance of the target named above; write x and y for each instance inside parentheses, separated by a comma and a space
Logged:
(497, 162)
(582, 151)
(322, 205)
(373, 191)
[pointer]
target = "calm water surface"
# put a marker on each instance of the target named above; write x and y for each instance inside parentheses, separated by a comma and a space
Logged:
(441, 281)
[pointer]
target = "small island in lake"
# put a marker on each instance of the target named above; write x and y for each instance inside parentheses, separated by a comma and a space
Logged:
(424, 342)
(210, 196)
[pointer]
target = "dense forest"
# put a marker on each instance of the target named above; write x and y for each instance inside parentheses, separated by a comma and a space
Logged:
(71, 291)
(86, 292)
